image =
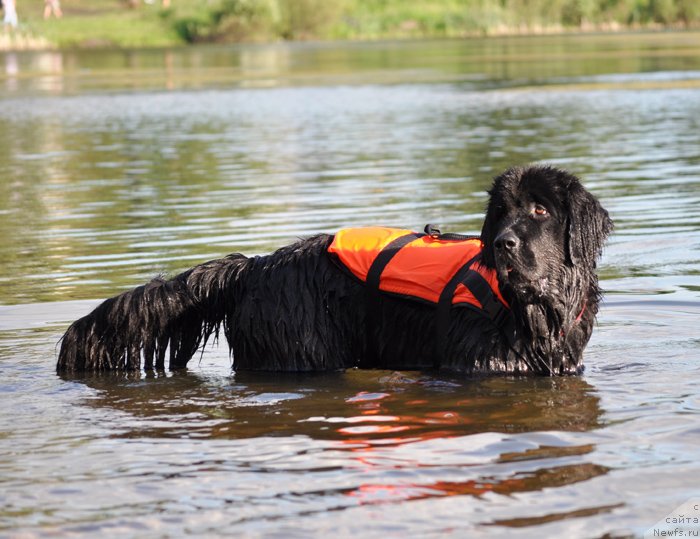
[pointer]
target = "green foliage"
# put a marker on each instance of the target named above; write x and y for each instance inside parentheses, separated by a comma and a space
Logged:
(136, 23)
(415, 18)
(255, 20)
(688, 11)
(579, 12)
(194, 27)
(307, 19)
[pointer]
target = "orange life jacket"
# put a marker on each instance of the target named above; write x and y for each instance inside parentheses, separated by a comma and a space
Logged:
(415, 265)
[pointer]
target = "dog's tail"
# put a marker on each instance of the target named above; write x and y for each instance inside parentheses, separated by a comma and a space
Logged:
(179, 315)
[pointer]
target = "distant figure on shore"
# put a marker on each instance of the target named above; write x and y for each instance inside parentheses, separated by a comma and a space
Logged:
(52, 7)
(10, 18)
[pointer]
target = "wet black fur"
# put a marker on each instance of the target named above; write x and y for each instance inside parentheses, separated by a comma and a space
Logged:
(297, 310)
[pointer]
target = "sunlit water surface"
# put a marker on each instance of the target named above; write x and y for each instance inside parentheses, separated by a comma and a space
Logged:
(118, 166)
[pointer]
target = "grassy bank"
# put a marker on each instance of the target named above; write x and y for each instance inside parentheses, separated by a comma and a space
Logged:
(135, 23)
(97, 23)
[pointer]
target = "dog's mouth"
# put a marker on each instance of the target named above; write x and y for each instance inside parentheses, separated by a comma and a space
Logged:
(511, 273)
(506, 269)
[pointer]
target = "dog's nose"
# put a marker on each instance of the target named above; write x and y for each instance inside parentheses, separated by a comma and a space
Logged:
(507, 241)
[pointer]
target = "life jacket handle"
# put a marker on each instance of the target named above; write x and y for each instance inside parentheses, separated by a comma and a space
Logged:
(434, 232)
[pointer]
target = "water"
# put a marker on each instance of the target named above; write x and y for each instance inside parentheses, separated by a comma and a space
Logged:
(116, 166)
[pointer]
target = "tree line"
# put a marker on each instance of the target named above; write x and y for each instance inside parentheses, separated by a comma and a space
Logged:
(259, 20)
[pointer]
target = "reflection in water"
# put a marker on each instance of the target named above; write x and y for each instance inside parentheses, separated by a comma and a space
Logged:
(378, 421)
(363, 409)
(525, 522)
(110, 190)
(481, 63)
(11, 71)
(50, 65)
(556, 476)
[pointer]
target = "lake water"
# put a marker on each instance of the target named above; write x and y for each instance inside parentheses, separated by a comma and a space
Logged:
(117, 166)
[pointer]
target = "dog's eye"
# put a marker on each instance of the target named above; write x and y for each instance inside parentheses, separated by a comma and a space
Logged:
(540, 210)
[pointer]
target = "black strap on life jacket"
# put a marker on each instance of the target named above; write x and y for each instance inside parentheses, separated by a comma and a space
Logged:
(374, 275)
(481, 290)
(470, 278)
(385, 255)
(444, 308)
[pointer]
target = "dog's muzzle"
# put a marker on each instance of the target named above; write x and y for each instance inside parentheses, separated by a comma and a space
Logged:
(507, 247)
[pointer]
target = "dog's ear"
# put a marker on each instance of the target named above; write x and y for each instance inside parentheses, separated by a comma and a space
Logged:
(589, 226)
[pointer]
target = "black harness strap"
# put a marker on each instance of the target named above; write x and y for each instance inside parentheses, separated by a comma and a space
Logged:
(480, 288)
(374, 274)
(384, 257)
(498, 312)
(442, 313)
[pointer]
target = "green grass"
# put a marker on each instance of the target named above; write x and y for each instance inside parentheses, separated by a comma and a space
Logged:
(101, 23)
(394, 18)
(127, 29)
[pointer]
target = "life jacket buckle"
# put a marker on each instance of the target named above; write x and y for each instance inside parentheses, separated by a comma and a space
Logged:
(433, 231)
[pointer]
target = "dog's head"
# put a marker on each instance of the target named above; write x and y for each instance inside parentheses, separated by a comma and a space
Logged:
(539, 220)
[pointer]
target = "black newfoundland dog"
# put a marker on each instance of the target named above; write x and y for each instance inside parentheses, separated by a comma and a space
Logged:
(531, 294)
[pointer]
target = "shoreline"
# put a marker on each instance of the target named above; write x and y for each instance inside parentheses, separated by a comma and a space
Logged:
(22, 40)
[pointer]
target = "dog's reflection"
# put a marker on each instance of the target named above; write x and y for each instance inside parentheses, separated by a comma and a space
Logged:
(358, 406)
(499, 435)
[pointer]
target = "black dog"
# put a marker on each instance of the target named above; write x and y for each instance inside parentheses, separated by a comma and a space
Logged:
(298, 309)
